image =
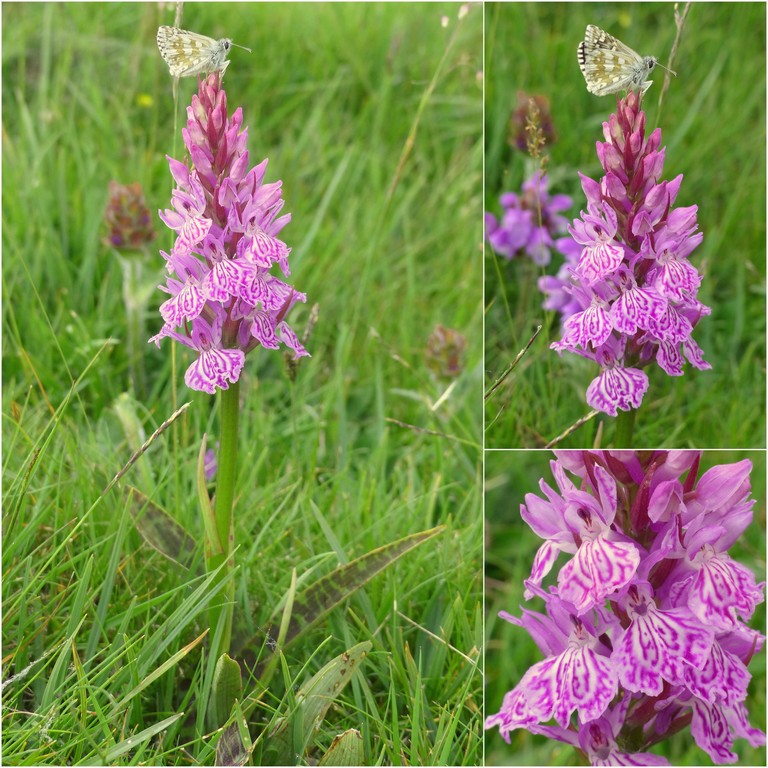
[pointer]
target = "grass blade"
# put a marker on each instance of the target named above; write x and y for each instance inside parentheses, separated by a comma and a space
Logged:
(161, 670)
(126, 745)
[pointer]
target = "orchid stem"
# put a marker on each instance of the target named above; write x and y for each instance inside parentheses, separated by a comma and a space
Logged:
(223, 607)
(625, 425)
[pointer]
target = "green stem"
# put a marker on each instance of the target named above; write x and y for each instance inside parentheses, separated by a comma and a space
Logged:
(625, 425)
(223, 607)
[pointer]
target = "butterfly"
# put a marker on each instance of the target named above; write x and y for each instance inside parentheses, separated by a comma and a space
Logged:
(188, 54)
(609, 66)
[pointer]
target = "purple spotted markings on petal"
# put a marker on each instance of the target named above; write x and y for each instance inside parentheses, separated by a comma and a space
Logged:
(577, 679)
(187, 304)
(263, 330)
(589, 328)
(599, 568)
(714, 726)
(658, 645)
(636, 308)
(723, 591)
(722, 678)
(215, 366)
(266, 250)
(616, 388)
(598, 261)
(514, 713)
(583, 680)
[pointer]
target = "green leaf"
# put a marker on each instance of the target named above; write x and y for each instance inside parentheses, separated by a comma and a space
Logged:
(227, 688)
(345, 749)
(325, 594)
(160, 530)
(234, 746)
(292, 734)
(230, 749)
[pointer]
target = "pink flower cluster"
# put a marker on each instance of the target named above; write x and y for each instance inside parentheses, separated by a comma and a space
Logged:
(645, 630)
(530, 221)
(633, 280)
(227, 220)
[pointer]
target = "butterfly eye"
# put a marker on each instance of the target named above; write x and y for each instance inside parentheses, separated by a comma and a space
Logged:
(227, 45)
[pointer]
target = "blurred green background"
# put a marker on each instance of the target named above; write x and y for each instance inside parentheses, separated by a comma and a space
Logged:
(510, 549)
(371, 114)
(713, 125)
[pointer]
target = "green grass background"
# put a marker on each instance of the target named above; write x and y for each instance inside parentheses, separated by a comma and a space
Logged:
(510, 549)
(713, 124)
(336, 95)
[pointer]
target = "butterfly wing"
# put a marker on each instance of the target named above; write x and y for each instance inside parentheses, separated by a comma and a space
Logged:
(606, 63)
(186, 53)
(597, 38)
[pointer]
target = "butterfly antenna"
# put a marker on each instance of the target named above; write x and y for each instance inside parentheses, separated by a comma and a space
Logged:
(667, 68)
(243, 47)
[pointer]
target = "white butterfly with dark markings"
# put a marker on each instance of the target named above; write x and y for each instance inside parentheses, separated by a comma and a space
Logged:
(609, 66)
(188, 54)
